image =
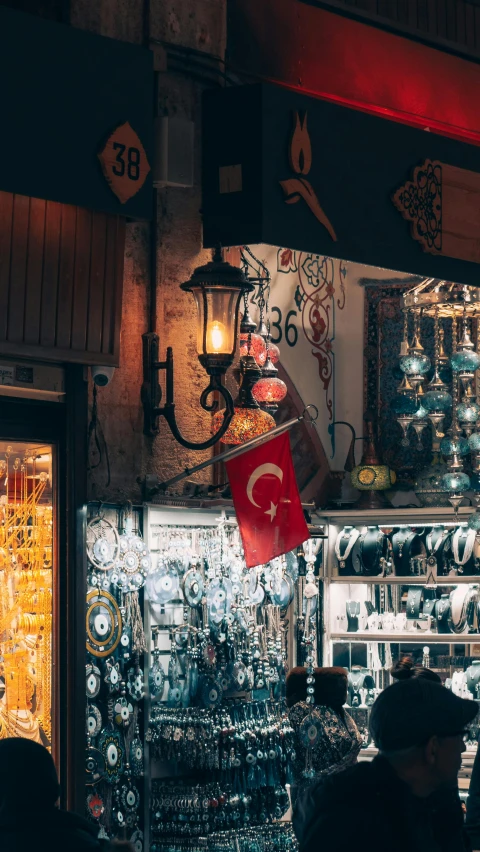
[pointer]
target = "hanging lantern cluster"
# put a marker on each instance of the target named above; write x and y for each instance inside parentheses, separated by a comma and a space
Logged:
(431, 390)
(260, 390)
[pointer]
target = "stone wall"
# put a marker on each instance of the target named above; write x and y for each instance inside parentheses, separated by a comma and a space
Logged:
(189, 39)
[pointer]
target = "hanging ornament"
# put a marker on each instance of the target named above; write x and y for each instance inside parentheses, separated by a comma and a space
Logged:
(93, 720)
(95, 805)
(93, 680)
(102, 544)
(136, 683)
(112, 677)
(249, 420)
(110, 745)
(136, 754)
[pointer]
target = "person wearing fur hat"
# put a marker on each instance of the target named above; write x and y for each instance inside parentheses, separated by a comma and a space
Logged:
(337, 740)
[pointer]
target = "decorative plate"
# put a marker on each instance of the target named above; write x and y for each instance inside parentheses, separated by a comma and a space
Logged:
(95, 805)
(123, 711)
(113, 676)
(136, 683)
(110, 744)
(156, 679)
(102, 544)
(93, 720)
(193, 587)
(93, 680)
(103, 622)
(162, 586)
(94, 766)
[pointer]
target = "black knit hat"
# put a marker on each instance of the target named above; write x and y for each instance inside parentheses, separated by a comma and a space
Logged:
(409, 712)
(27, 774)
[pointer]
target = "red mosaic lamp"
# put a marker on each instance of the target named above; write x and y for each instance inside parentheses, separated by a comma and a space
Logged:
(249, 421)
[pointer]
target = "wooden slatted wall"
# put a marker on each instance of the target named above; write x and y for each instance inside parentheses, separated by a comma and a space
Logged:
(61, 276)
(454, 21)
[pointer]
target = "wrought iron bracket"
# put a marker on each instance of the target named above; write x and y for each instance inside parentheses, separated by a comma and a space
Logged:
(152, 396)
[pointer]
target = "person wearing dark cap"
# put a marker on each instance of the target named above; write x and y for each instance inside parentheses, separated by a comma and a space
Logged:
(337, 740)
(405, 799)
(472, 822)
(29, 818)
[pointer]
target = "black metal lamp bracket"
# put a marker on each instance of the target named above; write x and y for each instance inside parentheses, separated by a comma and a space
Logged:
(152, 396)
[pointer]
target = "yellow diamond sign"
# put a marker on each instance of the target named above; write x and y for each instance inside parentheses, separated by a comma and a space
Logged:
(124, 162)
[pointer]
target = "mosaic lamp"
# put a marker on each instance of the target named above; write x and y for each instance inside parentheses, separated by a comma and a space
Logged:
(248, 421)
(371, 477)
(269, 391)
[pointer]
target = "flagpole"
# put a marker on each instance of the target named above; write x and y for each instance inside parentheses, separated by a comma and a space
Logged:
(243, 448)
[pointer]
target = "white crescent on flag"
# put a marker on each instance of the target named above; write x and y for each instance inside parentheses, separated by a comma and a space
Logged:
(260, 471)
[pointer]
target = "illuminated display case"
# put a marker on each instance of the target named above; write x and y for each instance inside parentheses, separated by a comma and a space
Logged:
(402, 583)
(27, 581)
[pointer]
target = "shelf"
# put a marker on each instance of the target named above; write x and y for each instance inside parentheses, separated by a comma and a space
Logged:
(359, 579)
(417, 515)
(407, 636)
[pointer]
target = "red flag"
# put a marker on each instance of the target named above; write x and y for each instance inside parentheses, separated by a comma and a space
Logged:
(266, 500)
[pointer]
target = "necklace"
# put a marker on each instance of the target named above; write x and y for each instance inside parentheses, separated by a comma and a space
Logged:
(469, 536)
(357, 683)
(443, 605)
(434, 548)
(460, 600)
(353, 609)
(350, 536)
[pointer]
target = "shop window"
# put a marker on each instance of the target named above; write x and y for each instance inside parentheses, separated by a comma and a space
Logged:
(27, 558)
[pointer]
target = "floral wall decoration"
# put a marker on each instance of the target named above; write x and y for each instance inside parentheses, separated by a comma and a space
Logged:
(306, 295)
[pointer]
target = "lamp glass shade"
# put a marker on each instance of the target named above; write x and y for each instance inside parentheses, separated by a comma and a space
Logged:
(474, 442)
(415, 364)
(217, 318)
(246, 423)
(465, 361)
(253, 344)
(436, 400)
(458, 446)
(453, 481)
(468, 412)
(269, 390)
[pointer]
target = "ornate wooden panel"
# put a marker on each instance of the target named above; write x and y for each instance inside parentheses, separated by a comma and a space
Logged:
(61, 275)
(456, 22)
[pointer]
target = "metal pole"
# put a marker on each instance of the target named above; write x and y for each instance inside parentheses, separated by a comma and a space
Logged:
(244, 448)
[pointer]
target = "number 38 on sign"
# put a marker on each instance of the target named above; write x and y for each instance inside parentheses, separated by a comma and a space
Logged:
(124, 162)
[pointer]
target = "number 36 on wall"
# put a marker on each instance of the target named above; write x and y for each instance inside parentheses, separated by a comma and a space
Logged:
(289, 330)
(124, 162)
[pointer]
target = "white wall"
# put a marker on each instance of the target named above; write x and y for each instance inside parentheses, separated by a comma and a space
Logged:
(326, 362)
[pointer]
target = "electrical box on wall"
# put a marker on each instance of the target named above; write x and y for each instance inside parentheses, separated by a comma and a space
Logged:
(173, 165)
(32, 380)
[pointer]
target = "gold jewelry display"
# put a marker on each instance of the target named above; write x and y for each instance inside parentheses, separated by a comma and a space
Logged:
(26, 568)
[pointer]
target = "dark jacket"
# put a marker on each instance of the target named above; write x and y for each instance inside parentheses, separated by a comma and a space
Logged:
(472, 822)
(367, 808)
(48, 830)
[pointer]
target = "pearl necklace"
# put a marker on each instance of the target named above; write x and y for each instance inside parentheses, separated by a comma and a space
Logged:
(460, 599)
(351, 538)
(470, 537)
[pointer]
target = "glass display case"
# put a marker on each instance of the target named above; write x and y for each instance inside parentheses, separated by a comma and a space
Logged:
(27, 556)
(402, 583)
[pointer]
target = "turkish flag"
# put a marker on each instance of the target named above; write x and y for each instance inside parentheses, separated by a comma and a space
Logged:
(266, 500)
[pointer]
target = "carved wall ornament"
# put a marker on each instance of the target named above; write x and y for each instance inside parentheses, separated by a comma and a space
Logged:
(420, 202)
(442, 204)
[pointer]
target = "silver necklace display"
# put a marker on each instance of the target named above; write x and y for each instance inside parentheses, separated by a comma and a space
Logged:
(469, 536)
(350, 537)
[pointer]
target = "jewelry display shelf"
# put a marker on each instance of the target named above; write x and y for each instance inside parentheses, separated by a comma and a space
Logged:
(407, 637)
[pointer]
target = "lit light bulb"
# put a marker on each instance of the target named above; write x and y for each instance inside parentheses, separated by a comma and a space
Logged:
(216, 337)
